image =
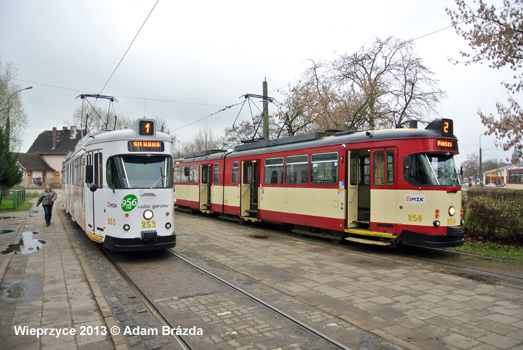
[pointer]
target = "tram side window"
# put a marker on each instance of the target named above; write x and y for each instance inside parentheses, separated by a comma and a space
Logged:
(365, 171)
(384, 168)
(98, 173)
(353, 169)
(235, 172)
(78, 178)
(324, 168)
(273, 171)
(177, 174)
(205, 174)
(297, 169)
(190, 174)
(115, 173)
(390, 167)
(379, 169)
(216, 170)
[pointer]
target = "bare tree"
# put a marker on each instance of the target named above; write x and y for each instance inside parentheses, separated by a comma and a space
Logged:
(98, 119)
(383, 85)
(495, 35)
(205, 139)
(10, 102)
(390, 81)
(248, 131)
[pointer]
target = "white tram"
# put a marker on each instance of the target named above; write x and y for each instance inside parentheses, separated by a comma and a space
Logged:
(118, 188)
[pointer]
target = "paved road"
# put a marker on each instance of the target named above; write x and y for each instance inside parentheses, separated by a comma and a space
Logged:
(406, 302)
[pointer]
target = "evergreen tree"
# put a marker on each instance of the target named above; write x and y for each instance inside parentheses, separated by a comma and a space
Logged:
(10, 172)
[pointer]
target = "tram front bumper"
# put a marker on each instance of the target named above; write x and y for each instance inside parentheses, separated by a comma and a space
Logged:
(453, 238)
(138, 244)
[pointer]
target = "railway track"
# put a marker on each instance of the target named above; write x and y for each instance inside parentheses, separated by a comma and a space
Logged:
(459, 263)
(313, 335)
(183, 345)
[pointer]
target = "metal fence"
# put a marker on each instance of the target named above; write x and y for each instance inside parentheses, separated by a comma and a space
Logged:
(12, 199)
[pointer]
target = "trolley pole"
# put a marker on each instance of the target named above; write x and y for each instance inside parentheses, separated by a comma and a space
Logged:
(265, 111)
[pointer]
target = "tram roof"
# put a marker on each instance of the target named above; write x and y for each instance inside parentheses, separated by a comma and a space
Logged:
(118, 135)
(318, 139)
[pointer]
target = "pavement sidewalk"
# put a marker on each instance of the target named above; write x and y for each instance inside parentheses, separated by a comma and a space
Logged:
(48, 296)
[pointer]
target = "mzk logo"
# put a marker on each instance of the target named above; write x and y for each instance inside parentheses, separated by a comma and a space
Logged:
(415, 198)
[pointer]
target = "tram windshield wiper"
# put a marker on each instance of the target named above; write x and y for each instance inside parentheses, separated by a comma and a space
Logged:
(162, 176)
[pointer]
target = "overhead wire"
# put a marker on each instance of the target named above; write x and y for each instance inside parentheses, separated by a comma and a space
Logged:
(131, 44)
(208, 116)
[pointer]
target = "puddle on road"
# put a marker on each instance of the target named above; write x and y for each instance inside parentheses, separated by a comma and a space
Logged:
(16, 289)
(4, 231)
(26, 245)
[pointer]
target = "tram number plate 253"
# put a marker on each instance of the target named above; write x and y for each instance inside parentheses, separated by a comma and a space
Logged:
(148, 224)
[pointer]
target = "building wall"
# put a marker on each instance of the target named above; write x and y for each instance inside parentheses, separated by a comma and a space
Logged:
(54, 161)
(37, 178)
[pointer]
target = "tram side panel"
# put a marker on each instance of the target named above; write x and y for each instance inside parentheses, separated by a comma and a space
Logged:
(187, 187)
(231, 187)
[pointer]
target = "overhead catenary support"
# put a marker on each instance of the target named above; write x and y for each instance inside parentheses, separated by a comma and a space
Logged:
(265, 111)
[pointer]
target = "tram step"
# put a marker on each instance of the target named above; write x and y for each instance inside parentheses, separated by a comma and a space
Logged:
(368, 241)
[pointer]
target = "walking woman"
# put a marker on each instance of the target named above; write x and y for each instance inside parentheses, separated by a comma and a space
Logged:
(47, 198)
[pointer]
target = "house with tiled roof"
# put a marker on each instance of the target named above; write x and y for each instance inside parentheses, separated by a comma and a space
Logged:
(43, 161)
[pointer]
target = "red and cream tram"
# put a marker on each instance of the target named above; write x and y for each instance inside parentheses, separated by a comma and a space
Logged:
(383, 187)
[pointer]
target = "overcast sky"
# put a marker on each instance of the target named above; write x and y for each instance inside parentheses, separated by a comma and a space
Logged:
(192, 58)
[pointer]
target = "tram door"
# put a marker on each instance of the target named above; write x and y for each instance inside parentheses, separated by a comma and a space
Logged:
(358, 188)
(205, 187)
(93, 213)
(249, 189)
(352, 188)
(383, 186)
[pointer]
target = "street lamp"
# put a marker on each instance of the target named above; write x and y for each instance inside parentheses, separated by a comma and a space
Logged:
(8, 121)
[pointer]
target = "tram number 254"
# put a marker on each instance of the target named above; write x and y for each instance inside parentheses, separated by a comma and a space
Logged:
(414, 218)
(148, 224)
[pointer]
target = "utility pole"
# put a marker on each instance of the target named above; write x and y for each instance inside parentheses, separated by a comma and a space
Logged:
(480, 163)
(265, 111)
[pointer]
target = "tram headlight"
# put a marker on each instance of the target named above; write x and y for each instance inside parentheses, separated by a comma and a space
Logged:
(168, 225)
(452, 211)
(436, 223)
(126, 227)
(148, 214)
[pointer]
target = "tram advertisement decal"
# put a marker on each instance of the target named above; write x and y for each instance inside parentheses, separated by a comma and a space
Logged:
(129, 202)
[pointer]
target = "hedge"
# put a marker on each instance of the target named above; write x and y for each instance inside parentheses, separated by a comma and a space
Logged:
(494, 215)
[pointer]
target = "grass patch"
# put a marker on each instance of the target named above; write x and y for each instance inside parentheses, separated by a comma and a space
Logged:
(7, 206)
(491, 249)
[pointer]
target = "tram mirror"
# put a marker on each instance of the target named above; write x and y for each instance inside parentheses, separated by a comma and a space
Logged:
(93, 187)
(186, 171)
(89, 174)
(407, 162)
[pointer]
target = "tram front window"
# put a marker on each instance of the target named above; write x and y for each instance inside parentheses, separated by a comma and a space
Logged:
(431, 169)
(139, 172)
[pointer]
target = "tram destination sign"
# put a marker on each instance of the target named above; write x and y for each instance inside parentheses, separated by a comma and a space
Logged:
(450, 145)
(145, 146)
